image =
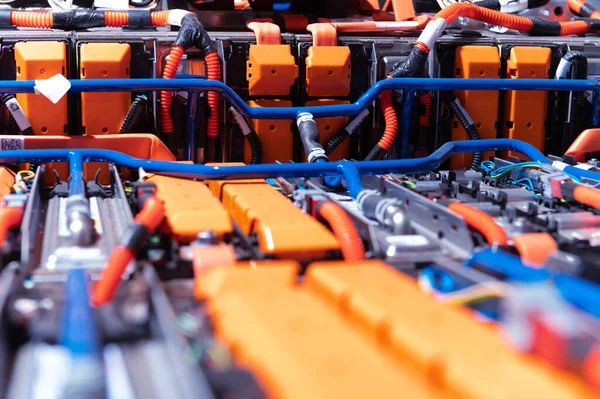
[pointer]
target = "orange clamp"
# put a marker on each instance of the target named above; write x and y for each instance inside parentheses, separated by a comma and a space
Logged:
(535, 248)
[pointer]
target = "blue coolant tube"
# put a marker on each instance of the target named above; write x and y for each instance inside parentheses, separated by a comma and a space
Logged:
(411, 84)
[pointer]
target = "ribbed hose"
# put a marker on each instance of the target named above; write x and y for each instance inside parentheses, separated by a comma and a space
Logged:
(213, 64)
(467, 123)
(31, 19)
(166, 97)
(255, 148)
(116, 19)
(583, 8)
(391, 127)
(136, 110)
(492, 17)
(350, 242)
(159, 18)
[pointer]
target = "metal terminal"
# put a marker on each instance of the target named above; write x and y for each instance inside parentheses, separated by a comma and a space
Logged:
(79, 220)
(207, 238)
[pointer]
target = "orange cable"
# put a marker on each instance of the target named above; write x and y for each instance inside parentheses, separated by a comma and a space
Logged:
(588, 141)
(213, 66)
(535, 248)
(480, 221)
(391, 121)
(350, 242)
(166, 97)
(587, 195)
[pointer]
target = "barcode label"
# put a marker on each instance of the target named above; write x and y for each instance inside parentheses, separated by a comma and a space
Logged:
(12, 143)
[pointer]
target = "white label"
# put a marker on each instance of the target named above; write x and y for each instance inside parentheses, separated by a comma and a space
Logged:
(175, 17)
(563, 68)
(584, 166)
(17, 113)
(8, 143)
(63, 228)
(53, 88)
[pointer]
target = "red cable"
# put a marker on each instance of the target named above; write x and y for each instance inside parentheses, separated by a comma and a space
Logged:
(213, 63)
(166, 97)
(350, 242)
(150, 217)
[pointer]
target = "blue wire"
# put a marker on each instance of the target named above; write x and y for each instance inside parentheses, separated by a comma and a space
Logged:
(526, 181)
(488, 166)
(504, 169)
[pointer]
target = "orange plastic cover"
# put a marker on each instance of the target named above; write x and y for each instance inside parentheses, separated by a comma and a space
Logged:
(328, 71)
(42, 60)
(526, 110)
(190, 207)
(474, 62)
(277, 140)
(535, 248)
(7, 180)
(328, 127)
(271, 70)
(282, 228)
(296, 344)
(462, 357)
(103, 113)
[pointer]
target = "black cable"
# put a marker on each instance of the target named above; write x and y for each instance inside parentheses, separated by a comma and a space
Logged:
(467, 123)
(338, 138)
(136, 110)
(255, 147)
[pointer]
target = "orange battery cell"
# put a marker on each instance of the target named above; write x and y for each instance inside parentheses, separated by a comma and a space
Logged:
(271, 70)
(103, 113)
(296, 344)
(474, 62)
(276, 136)
(461, 357)
(328, 127)
(7, 180)
(282, 228)
(526, 110)
(328, 71)
(42, 60)
(190, 207)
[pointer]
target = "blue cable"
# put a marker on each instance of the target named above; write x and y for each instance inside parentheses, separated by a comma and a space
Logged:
(351, 171)
(129, 85)
(488, 166)
(527, 182)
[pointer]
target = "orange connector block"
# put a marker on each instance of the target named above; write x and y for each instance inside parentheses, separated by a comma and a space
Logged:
(190, 208)
(474, 62)
(328, 127)
(103, 113)
(277, 140)
(526, 110)
(42, 60)
(282, 228)
(271, 70)
(328, 71)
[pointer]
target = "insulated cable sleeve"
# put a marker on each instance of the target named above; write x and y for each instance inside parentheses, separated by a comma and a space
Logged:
(350, 242)
(338, 138)
(480, 221)
(583, 9)
(587, 195)
(145, 222)
(31, 19)
(213, 64)
(391, 121)
(466, 122)
(136, 110)
(255, 147)
(588, 141)
(166, 97)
